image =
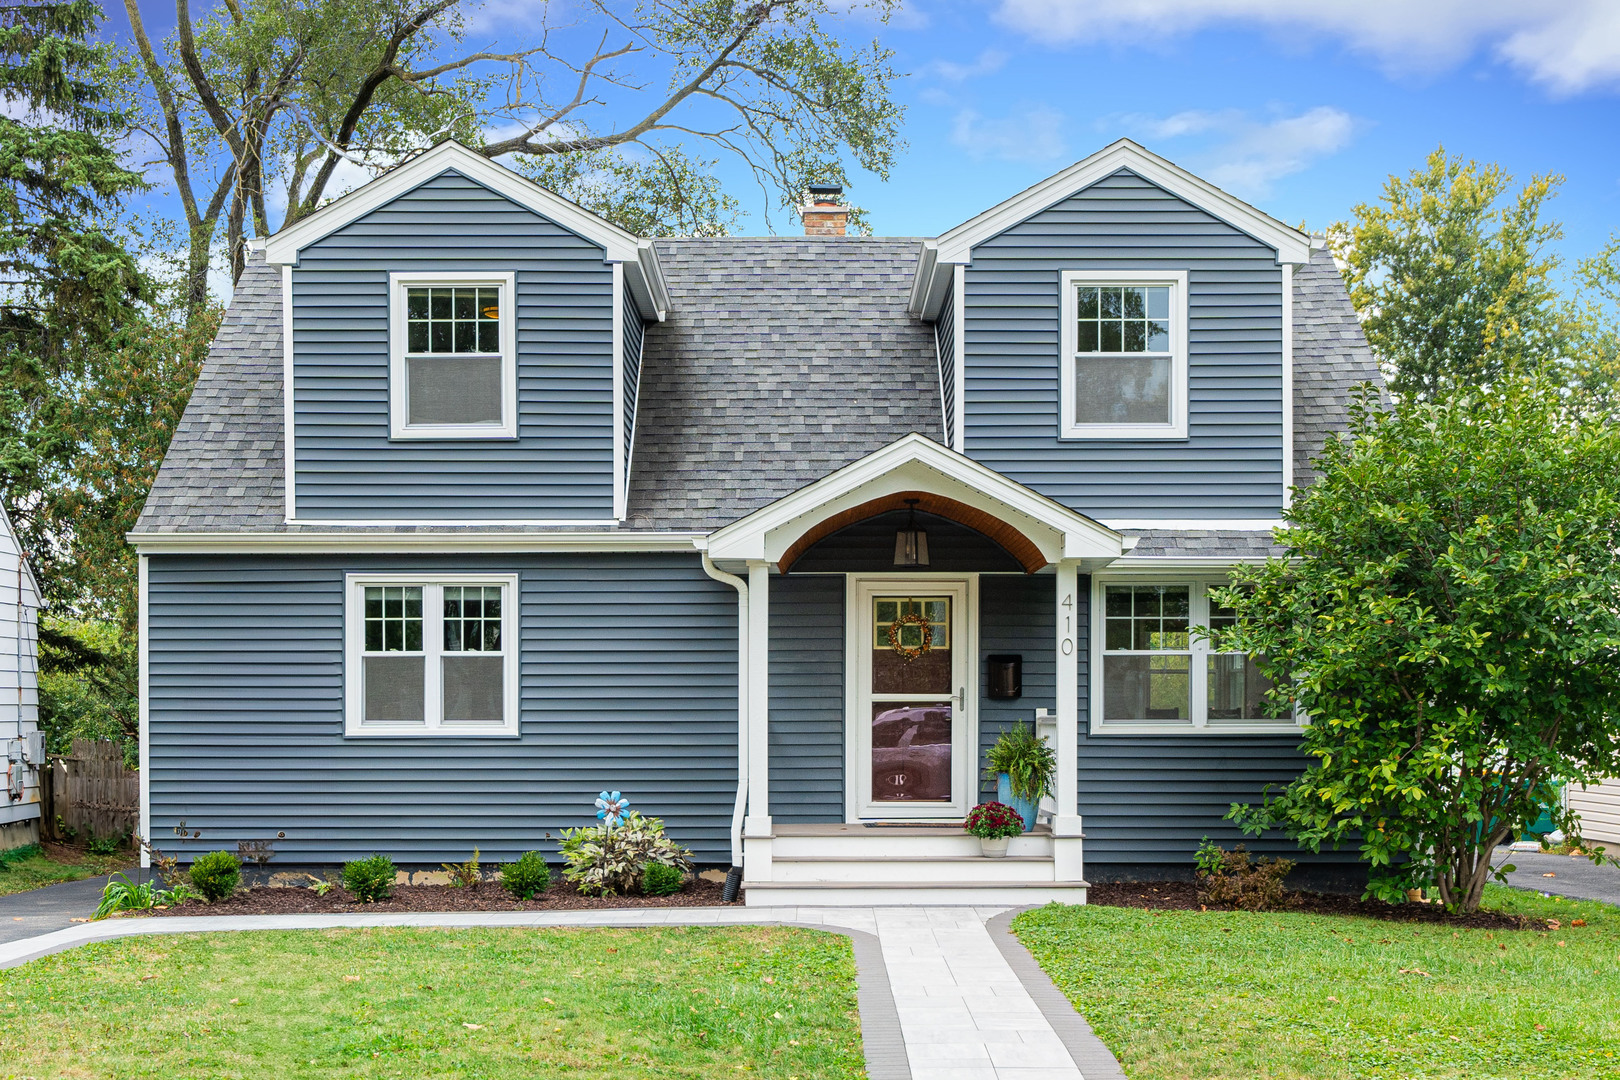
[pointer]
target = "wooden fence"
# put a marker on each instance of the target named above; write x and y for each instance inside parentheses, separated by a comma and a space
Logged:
(90, 793)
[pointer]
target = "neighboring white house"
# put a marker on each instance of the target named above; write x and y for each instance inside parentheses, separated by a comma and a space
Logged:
(22, 749)
(1599, 807)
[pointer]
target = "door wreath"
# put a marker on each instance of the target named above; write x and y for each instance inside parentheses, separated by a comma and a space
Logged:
(909, 653)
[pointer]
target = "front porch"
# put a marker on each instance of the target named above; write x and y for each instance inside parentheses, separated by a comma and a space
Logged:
(867, 709)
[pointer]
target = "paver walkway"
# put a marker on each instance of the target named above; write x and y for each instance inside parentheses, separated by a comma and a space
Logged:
(963, 1011)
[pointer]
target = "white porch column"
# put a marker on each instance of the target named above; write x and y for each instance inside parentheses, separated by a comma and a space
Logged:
(758, 822)
(1071, 607)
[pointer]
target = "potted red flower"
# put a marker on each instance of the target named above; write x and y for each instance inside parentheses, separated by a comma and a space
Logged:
(995, 824)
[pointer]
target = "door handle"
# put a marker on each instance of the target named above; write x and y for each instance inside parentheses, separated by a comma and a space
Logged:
(960, 697)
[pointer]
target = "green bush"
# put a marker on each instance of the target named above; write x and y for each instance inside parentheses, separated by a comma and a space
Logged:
(607, 860)
(216, 874)
(528, 877)
(370, 879)
(658, 879)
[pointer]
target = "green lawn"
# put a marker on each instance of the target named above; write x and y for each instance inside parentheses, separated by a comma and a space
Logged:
(1193, 994)
(19, 873)
(602, 1004)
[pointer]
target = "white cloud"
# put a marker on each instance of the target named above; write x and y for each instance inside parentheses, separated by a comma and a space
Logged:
(987, 62)
(1566, 45)
(1034, 134)
(1246, 155)
(345, 178)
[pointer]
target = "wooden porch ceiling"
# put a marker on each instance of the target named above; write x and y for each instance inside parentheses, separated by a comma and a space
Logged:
(1018, 545)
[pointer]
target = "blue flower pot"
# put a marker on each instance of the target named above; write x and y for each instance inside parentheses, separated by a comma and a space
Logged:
(1026, 807)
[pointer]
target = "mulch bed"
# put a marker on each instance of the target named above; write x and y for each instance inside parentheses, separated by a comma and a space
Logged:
(267, 900)
(1183, 896)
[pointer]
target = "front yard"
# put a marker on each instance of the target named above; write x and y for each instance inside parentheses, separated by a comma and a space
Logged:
(1236, 995)
(492, 1003)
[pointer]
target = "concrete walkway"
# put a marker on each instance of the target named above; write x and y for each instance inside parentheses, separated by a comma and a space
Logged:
(946, 993)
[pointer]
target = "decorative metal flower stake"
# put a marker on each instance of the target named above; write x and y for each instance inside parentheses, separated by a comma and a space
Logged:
(610, 807)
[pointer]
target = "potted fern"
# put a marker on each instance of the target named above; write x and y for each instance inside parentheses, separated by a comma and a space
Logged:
(1023, 766)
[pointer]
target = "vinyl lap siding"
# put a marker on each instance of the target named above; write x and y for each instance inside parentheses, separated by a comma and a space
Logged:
(1231, 463)
(560, 466)
(807, 698)
(945, 339)
(635, 334)
(628, 676)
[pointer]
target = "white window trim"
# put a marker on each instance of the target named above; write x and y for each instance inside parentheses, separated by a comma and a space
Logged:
(354, 635)
(1198, 666)
(1177, 426)
(398, 406)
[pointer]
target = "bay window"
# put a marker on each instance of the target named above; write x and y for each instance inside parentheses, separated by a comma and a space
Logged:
(431, 655)
(1153, 672)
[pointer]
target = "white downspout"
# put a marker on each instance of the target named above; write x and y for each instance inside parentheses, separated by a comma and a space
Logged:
(738, 809)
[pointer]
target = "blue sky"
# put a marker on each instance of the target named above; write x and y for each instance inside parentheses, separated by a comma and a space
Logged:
(1302, 107)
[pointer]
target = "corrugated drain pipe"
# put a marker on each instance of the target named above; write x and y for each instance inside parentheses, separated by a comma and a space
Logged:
(734, 875)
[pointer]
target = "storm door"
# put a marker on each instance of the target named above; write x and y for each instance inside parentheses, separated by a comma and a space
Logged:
(913, 757)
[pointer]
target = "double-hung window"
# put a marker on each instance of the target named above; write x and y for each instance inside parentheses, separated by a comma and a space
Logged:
(1124, 355)
(1155, 673)
(453, 356)
(431, 655)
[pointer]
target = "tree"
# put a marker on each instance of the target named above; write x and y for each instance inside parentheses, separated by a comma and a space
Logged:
(1452, 276)
(277, 95)
(70, 282)
(1447, 614)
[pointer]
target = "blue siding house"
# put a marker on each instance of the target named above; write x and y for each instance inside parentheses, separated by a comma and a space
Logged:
(482, 505)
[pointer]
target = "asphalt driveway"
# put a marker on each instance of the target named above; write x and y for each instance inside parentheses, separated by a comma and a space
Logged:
(1562, 875)
(40, 911)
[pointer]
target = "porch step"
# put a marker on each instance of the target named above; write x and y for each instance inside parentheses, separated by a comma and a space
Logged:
(968, 869)
(911, 893)
(893, 843)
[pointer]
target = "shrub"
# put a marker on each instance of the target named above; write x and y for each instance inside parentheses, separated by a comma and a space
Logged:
(464, 875)
(1236, 879)
(604, 861)
(528, 877)
(369, 879)
(658, 879)
(105, 845)
(215, 875)
(994, 820)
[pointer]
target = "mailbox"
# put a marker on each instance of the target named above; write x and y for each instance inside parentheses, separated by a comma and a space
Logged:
(1006, 680)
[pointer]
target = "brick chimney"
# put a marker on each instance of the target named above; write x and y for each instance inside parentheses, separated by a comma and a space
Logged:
(823, 212)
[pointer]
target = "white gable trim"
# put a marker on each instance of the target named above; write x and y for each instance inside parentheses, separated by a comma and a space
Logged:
(908, 463)
(956, 246)
(646, 277)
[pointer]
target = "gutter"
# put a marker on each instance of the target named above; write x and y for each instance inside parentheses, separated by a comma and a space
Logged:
(735, 877)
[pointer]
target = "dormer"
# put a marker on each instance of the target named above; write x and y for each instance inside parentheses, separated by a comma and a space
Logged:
(1119, 337)
(461, 346)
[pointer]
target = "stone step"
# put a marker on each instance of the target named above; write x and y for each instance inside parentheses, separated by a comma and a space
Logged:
(888, 843)
(974, 868)
(912, 894)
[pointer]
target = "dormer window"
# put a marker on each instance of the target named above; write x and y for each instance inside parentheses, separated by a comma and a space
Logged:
(454, 357)
(1124, 355)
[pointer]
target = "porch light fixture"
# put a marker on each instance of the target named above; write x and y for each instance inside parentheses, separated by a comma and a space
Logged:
(911, 543)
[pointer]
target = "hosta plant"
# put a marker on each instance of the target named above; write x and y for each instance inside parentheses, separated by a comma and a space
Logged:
(608, 861)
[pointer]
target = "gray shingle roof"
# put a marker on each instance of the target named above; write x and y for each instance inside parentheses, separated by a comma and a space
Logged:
(223, 471)
(782, 360)
(1331, 358)
(1202, 544)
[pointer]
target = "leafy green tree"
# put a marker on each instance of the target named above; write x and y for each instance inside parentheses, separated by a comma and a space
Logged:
(1452, 275)
(70, 282)
(1447, 614)
(618, 110)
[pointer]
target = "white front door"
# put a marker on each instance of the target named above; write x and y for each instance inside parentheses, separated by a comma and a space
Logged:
(910, 653)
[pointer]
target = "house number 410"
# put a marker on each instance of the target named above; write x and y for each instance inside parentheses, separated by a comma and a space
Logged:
(1066, 645)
